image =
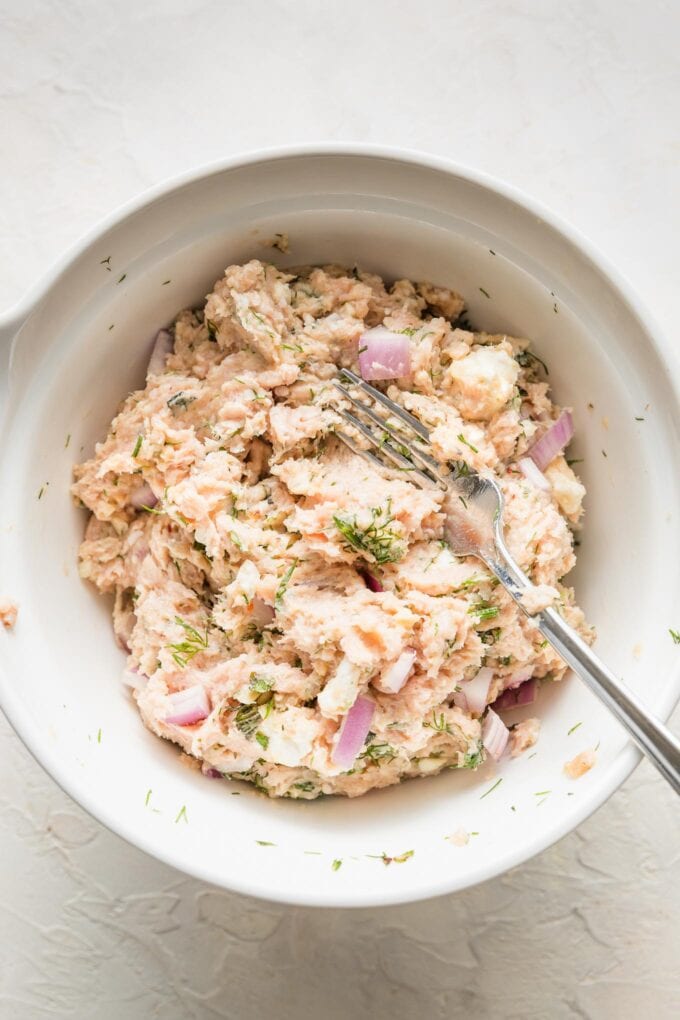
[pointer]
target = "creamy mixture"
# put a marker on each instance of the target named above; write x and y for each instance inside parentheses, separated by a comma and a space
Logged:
(292, 615)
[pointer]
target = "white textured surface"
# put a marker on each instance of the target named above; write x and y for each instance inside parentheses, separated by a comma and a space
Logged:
(578, 103)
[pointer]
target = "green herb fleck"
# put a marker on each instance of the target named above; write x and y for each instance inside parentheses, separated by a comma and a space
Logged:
(377, 538)
(68, 440)
(138, 445)
(542, 793)
(165, 283)
(336, 865)
(675, 634)
(182, 813)
(99, 735)
(492, 788)
(180, 401)
(264, 842)
(147, 798)
(483, 610)
(604, 453)
(574, 728)
(184, 651)
(485, 292)
(525, 357)
(106, 262)
(473, 759)
(122, 278)
(400, 858)
(111, 326)
(283, 585)
(378, 752)
(462, 439)
(262, 739)
(439, 724)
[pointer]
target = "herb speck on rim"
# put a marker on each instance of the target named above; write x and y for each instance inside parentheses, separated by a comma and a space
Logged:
(99, 736)
(68, 440)
(485, 292)
(492, 788)
(123, 277)
(147, 798)
(165, 283)
(337, 864)
(574, 728)
(182, 814)
(106, 263)
(111, 326)
(675, 634)
(264, 842)
(138, 445)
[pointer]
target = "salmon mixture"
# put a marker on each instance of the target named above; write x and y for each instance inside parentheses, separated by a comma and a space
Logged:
(291, 614)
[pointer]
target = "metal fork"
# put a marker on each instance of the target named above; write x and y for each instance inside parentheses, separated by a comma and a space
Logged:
(473, 505)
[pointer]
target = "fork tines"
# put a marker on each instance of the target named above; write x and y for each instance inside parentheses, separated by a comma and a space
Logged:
(394, 440)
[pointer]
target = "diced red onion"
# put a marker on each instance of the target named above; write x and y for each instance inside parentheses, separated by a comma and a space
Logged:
(532, 474)
(210, 772)
(371, 581)
(386, 355)
(392, 681)
(188, 706)
(353, 732)
(494, 734)
(460, 701)
(262, 613)
(515, 697)
(162, 347)
(143, 496)
(552, 442)
(132, 678)
(476, 690)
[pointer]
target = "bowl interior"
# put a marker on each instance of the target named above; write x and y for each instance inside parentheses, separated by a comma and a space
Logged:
(86, 345)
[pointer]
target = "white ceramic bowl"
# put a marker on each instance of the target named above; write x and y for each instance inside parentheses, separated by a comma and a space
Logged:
(81, 340)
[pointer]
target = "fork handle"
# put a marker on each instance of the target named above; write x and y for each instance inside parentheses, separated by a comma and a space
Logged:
(653, 738)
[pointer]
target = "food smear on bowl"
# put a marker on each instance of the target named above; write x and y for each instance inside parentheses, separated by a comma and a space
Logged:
(9, 611)
(293, 616)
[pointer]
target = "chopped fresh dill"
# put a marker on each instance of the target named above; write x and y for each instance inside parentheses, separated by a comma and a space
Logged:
(485, 292)
(492, 788)
(236, 540)
(675, 634)
(307, 787)
(378, 752)
(283, 585)
(106, 262)
(473, 759)
(165, 283)
(182, 813)
(111, 326)
(180, 401)
(542, 793)
(337, 864)
(377, 538)
(264, 842)
(439, 724)
(574, 728)
(184, 651)
(147, 798)
(639, 419)
(262, 739)
(121, 278)
(68, 440)
(525, 357)
(483, 610)
(99, 735)
(462, 439)
(138, 445)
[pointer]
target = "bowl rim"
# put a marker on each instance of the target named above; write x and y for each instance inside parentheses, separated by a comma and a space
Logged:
(627, 758)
